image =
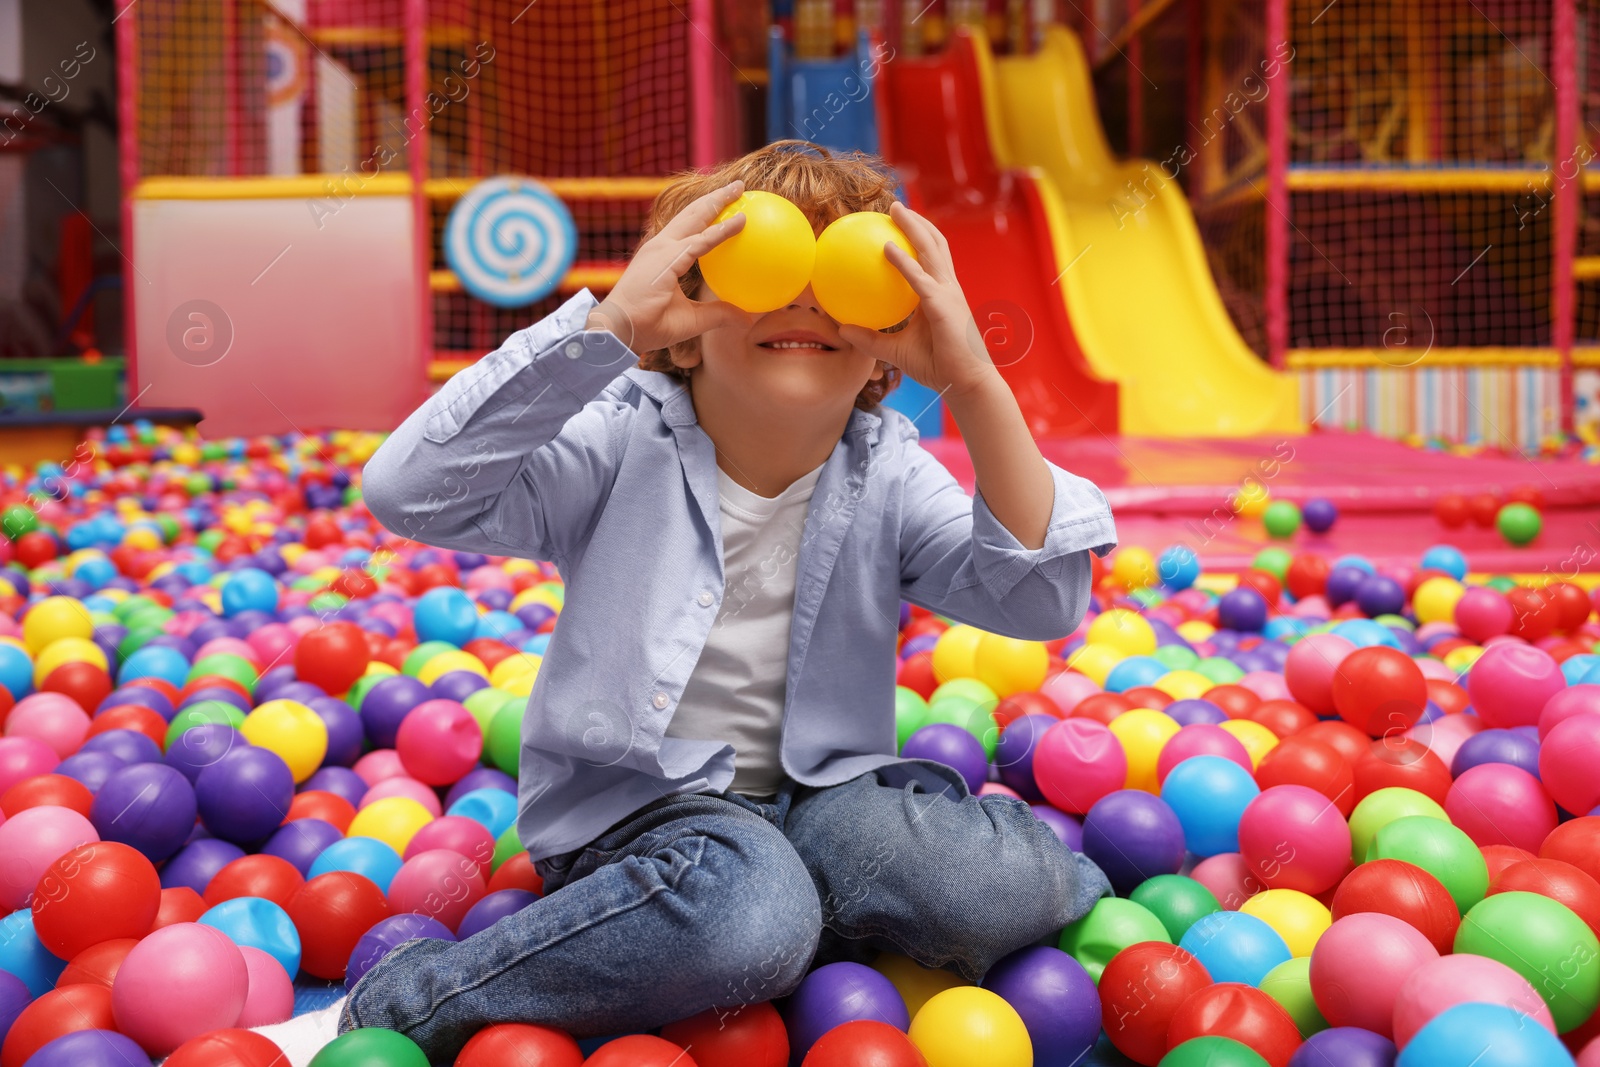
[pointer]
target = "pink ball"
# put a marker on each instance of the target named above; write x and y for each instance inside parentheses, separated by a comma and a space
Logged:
(269, 997)
(441, 884)
(1228, 877)
(1268, 685)
(30, 841)
(461, 835)
(181, 981)
(1498, 804)
(994, 788)
(1293, 837)
(300, 624)
(1078, 761)
(1314, 606)
(1310, 666)
(1068, 688)
(53, 718)
(439, 741)
(1569, 759)
(1510, 684)
(379, 764)
(1444, 735)
(1450, 980)
(1201, 739)
(1433, 668)
(1590, 1056)
(402, 787)
(22, 758)
(1359, 965)
(274, 643)
(1429, 630)
(1571, 701)
(1482, 613)
(229, 646)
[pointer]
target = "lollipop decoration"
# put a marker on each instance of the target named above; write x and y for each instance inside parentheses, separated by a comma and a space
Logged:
(510, 241)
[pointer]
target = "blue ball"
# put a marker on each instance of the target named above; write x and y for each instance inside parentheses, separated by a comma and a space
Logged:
(447, 614)
(1319, 514)
(154, 661)
(1178, 567)
(1483, 1035)
(494, 809)
(1209, 794)
(1576, 668)
(496, 624)
(1135, 671)
(1447, 558)
(1234, 947)
(22, 955)
(1361, 563)
(366, 856)
(258, 923)
(1364, 633)
(250, 589)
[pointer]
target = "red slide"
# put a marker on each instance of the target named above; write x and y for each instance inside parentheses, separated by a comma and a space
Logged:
(932, 129)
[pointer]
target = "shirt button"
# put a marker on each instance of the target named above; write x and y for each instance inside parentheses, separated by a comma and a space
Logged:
(574, 349)
(706, 599)
(659, 700)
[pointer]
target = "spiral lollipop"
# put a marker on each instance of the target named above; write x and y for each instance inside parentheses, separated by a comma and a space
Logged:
(510, 241)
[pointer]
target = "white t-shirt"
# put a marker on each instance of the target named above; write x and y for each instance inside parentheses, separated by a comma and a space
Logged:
(735, 693)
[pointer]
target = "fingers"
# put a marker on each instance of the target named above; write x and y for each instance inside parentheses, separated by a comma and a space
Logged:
(870, 342)
(714, 235)
(699, 214)
(713, 314)
(922, 283)
(915, 225)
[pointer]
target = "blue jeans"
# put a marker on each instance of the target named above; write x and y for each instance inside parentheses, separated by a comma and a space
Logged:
(714, 900)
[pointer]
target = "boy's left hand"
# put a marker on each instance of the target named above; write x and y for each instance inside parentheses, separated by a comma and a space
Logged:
(940, 345)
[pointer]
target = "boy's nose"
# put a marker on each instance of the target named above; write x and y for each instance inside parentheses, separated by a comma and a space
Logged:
(807, 300)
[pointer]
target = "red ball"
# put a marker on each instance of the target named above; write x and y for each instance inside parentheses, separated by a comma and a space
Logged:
(1017, 705)
(1339, 736)
(864, 1043)
(637, 1050)
(1236, 701)
(1300, 760)
(1572, 606)
(133, 717)
(57, 1013)
(95, 892)
(1577, 841)
(97, 963)
(1534, 614)
(519, 1045)
(331, 808)
(1530, 495)
(489, 651)
(1406, 892)
(1498, 857)
(1283, 717)
(269, 877)
(1558, 880)
(331, 912)
(1379, 690)
(1241, 1012)
(332, 656)
(1307, 575)
(916, 674)
(1102, 707)
(1147, 696)
(434, 575)
(1451, 510)
(1483, 509)
(82, 681)
(1451, 698)
(47, 790)
(1141, 989)
(228, 1048)
(35, 549)
(1403, 762)
(1264, 583)
(516, 873)
(751, 1035)
(180, 904)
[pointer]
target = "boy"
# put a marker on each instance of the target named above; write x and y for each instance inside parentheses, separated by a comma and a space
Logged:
(708, 785)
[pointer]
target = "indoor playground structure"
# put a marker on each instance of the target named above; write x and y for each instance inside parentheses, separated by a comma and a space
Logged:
(1311, 289)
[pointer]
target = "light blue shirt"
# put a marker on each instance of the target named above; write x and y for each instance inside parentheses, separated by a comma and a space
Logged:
(557, 447)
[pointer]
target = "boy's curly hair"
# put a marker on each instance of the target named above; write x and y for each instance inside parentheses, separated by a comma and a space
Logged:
(822, 183)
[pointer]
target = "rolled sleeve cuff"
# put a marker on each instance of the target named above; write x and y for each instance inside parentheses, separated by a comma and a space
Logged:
(1080, 519)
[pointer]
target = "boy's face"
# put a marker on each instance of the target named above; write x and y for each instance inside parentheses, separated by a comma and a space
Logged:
(788, 360)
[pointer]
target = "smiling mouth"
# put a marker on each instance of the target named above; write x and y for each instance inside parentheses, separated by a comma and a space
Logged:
(806, 346)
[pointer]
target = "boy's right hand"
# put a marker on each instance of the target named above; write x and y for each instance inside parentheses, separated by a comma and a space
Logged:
(646, 309)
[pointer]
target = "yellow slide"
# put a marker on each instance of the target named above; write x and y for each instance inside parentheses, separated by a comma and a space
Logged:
(1138, 288)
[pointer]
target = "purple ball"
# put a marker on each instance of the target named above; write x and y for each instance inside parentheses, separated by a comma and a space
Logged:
(1195, 710)
(1066, 827)
(1319, 514)
(1133, 835)
(340, 781)
(386, 705)
(457, 685)
(839, 993)
(90, 768)
(14, 996)
(201, 746)
(301, 841)
(534, 616)
(1242, 609)
(301, 692)
(197, 863)
(1056, 998)
(1013, 753)
(345, 732)
(1251, 660)
(1346, 1046)
(1342, 584)
(387, 935)
(491, 909)
(480, 778)
(148, 806)
(142, 695)
(89, 1048)
(952, 746)
(924, 643)
(1497, 746)
(216, 692)
(244, 796)
(129, 746)
(1379, 594)
(273, 680)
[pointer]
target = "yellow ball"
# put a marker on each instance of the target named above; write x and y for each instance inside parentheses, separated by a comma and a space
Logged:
(1251, 500)
(1298, 918)
(1133, 567)
(1009, 665)
(768, 263)
(1184, 685)
(916, 983)
(1096, 661)
(955, 654)
(293, 731)
(853, 280)
(514, 667)
(968, 1026)
(1123, 630)
(54, 618)
(1256, 739)
(379, 667)
(1143, 732)
(1195, 630)
(67, 650)
(392, 820)
(453, 660)
(1435, 599)
(1459, 659)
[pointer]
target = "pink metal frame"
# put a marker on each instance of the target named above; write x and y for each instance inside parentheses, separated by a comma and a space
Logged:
(416, 67)
(702, 90)
(1565, 182)
(128, 166)
(1276, 222)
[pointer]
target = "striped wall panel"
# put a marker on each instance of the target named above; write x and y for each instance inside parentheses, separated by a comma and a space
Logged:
(1504, 407)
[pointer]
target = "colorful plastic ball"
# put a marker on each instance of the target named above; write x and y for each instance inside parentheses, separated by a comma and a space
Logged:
(1310, 667)
(370, 1047)
(269, 998)
(1294, 916)
(293, 731)
(299, 841)
(1178, 567)
(1281, 519)
(445, 614)
(1404, 891)
(439, 741)
(198, 862)
(1056, 999)
(1440, 984)
(1242, 609)
(245, 794)
(1010, 665)
(14, 996)
(249, 589)
(1319, 514)
(1289, 983)
(969, 1026)
(1132, 836)
(258, 923)
(1142, 732)
(1212, 1052)
(179, 982)
(54, 718)
(1140, 989)
(228, 1048)
(1310, 763)
(1235, 947)
(1178, 902)
(23, 956)
(332, 656)
(864, 1041)
(1400, 762)
(1511, 683)
(1498, 804)
(1379, 690)
(387, 935)
(952, 746)
(1208, 795)
(332, 911)
(1359, 965)
(1439, 848)
(366, 856)
(839, 993)
(1482, 1035)
(1558, 880)
(493, 907)
(98, 963)
(525, 1045)
(91, 1048)
(1077, 762)
(1568, 757)
(1293, 837)
(96, 892)
(770, 260)
(1110, 926)
(55, 1014)
(22, 758)
(30, 842)
(1543, 941)
(915, 982)
(439, 883)
(1381, 808)
(1519, 524)
(1241, 1013)
(1346, 1046)
(1125, 631)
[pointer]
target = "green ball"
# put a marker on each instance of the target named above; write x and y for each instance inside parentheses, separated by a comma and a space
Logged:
(1209, 1052)
(225, 665)
(136, 639)
(1519, 523)
(420, 655)
(1442, 850)
(1220, 671)
(370, 1047)
(1147, 597)
(1542, 940)
(1176, 657)
(330, 601)
(1281, 519)
(129, 604)
(1111, 926)
(18, 519)
(1289, 983)
(910, 714)
(1274, 560)
(506, 845)
(1382, 807)
(974, 716)
(1395, 620)
(1177, 901)
(504, 739)
(485, 703)
(209, 539)
(207, 711)
(1501, 583)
